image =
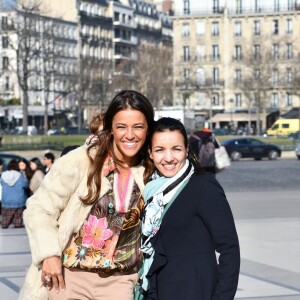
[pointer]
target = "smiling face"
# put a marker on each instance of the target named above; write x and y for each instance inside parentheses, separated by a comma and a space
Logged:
(168, 152)
(129, 129)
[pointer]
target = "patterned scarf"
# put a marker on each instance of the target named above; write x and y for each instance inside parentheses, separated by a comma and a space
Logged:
(158, 193)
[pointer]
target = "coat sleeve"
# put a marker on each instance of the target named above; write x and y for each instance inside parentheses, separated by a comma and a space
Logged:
(217, 216)
(45, 206)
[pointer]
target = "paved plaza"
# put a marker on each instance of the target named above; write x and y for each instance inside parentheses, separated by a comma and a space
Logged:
(270, 251)
(267, 222)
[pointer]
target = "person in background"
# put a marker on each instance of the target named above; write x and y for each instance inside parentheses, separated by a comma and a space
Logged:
(38, 174)
(13, 195)
(25, 169)
(83, 222)
(48, 161)
(179, 245)
(203, 143)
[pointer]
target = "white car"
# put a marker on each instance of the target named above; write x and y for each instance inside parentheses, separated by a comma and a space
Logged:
(297, 150)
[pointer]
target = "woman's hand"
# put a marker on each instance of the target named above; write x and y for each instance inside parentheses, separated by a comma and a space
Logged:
(52, 273)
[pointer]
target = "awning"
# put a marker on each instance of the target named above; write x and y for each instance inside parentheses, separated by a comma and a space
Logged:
(235, 117)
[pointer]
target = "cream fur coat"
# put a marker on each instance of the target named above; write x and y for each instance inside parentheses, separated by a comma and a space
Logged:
(55, 212)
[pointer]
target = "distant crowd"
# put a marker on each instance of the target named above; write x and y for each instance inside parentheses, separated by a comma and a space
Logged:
(19, 181)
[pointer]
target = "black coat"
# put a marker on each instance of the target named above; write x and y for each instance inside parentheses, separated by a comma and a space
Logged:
(198, 223)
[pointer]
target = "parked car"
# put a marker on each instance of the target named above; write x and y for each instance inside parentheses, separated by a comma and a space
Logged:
(31, 130)
(74, 130)
(7, 157)
(54, 131)
(238, 148)
(297, 150)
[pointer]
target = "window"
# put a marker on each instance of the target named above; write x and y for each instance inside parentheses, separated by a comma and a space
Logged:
(237, 75)
(215, 29)
(238, 28)
(256, 51)
(4, 42)
(275, 27)
(257, 6)
(4, 23)
(117, 16)
(186, 29)
(186, 7)
(200, 28)
(289, 26)
(289, 99)
(274, 100)
(289, 75)
(239, 6)
(257, 74)
(5, 62)
(6, 85)
(186, 53)
(215, 99)
(276, 5)
(238, 100)
(216, 6)
(201, 52)
(275, 77)
(215, 52)
(186, 73)
(291, 4)
(256, 27)
(215, 75)
(275, 51)
(201, 76)
(237, 52)
(289, 51)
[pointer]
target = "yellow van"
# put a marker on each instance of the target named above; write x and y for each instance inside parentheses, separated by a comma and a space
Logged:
(284, 127)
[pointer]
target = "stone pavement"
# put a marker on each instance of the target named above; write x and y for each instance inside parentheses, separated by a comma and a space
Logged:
(270, 252)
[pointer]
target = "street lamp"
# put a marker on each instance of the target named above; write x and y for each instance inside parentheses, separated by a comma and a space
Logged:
(231, 101)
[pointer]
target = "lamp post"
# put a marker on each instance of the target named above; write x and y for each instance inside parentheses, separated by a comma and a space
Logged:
(231, 101)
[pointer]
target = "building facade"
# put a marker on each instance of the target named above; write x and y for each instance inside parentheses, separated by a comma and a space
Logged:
(236, 57)
(71, 68)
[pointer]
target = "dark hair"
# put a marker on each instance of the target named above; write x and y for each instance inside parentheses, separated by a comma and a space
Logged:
(13, 165)
(123, 100)
(39, 164)
(50, 155)
(1, 162)
(28, 172)
(67, 149)
(171, 124)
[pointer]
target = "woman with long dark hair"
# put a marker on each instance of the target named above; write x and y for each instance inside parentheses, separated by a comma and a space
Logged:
(83, 222)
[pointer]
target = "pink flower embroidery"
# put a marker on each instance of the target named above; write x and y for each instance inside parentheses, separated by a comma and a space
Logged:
(95, 232)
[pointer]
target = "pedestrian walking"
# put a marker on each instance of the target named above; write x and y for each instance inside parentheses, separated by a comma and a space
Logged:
(13, 195)
(38, 174)
(187, 219)
(83, 222)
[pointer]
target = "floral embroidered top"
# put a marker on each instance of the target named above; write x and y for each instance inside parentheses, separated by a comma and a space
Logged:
(109, 239)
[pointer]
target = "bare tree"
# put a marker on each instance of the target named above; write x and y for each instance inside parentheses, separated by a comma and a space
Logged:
(260, 75)
(151, 74)
(27, 49)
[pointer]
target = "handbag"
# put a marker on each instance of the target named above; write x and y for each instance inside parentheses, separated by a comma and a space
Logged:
(222, 158)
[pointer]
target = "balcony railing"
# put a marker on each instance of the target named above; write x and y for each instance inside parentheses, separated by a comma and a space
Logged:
(194, 85)
(239, 10)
